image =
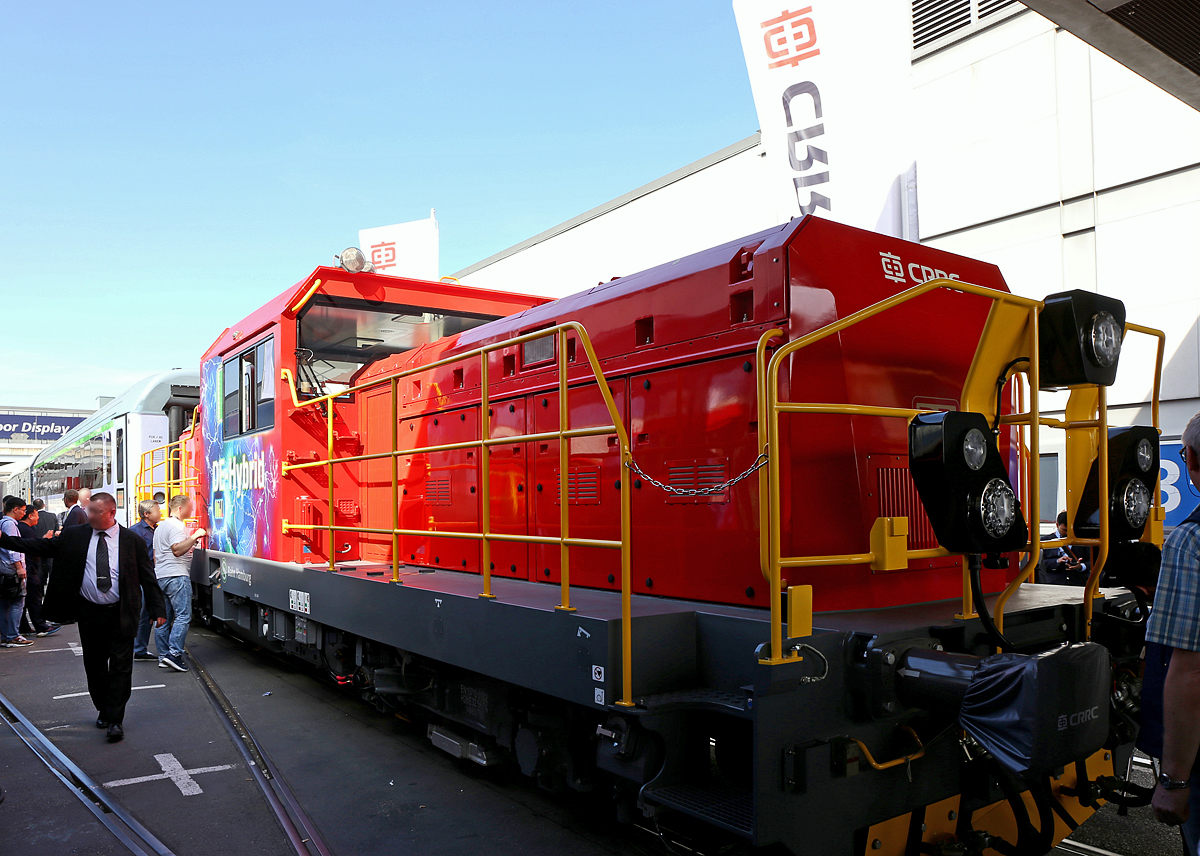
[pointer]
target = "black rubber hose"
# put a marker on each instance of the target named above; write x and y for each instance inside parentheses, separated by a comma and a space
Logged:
(1027, 834)
(1043, 798)
(975, 567)
(1062, 812)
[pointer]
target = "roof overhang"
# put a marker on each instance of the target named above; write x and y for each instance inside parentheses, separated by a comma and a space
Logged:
(1158, 39)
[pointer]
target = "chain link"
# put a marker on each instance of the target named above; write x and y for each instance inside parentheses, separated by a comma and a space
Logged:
(759, 462)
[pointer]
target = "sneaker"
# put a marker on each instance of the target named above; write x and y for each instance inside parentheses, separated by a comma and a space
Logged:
(145, 655)
(176, 662)
(162, 663)
(49, 631)
(18, 642)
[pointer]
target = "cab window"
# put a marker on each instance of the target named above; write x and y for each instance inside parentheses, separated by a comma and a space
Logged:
(249, 389)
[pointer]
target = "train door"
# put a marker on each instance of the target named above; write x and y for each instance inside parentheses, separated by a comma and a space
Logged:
(119, 468)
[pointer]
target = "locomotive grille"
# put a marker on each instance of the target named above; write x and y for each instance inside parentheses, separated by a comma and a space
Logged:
(437, 490)
(583, 485)
(898, 497)
(697, 475)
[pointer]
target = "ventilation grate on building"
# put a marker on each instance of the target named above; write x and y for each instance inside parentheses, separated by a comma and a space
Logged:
(935, 19)
(991, 7)
(1172, 26)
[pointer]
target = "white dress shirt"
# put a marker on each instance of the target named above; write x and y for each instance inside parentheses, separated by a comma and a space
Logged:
(89, 589)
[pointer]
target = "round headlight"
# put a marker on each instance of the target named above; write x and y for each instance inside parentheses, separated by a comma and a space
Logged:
(1135, 502)
(1145, 455)
(353, 260)
(974, 448)
(997, 508)
(1106, 339)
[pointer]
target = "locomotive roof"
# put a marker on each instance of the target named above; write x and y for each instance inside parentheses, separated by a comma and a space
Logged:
(371, 286)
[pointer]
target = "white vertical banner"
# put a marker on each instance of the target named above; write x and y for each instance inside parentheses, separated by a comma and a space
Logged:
(832, 84)
(403, 249)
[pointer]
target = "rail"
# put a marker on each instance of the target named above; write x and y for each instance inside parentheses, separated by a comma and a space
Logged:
(172, 473)
(484, 535)
(888, 541)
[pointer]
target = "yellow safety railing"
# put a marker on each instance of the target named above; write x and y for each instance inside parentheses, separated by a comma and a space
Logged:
(1011, 326)
(174, 471)
(485, 536)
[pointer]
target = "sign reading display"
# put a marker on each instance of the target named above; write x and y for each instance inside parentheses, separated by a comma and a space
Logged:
(23, 426)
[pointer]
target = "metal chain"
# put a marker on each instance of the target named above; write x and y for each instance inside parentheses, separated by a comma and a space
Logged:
(759, 462)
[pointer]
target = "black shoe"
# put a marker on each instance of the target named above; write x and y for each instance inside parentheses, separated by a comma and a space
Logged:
(101, 722)
(115, 732)
(145, 655)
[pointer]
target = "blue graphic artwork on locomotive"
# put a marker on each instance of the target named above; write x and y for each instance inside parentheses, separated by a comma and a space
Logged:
(242, 477)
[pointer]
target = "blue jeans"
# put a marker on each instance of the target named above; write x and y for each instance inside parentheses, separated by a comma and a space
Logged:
(142, 640)
(10, 617)
(177, 592)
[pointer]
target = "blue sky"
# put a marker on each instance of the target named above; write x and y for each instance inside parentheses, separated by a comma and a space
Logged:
(165, 169)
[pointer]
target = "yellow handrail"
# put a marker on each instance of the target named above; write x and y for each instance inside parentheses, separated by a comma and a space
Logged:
(485, 536)
(178, 471)
(770, 526)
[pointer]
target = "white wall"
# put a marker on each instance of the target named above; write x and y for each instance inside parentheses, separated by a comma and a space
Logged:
(718, 203)
(1068, 171)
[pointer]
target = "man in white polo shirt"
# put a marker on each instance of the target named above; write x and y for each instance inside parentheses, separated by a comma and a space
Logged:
(172, 567)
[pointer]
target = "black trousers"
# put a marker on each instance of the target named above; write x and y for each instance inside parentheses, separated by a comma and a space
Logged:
(107, 658)
(35, 588)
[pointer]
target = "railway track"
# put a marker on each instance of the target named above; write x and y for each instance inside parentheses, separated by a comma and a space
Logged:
(298, 827)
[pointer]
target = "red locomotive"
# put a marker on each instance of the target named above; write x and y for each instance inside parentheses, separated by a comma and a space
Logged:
(584, 533)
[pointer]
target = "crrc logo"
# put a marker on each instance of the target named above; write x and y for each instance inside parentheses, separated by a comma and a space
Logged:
(1078, 718)
(894, 269)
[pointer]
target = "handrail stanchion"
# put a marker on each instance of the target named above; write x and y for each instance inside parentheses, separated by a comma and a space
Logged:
(564, 479)
(1035, 470)
(764, 447)
(331, 544)
(395, 480)
(485, 486)
(1091, 590)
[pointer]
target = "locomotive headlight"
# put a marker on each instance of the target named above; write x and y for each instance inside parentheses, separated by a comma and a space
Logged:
(1105, 339)
(1145, 455)
(352, 259)
(1135, 502)
(964, 486)
(974, 449)
(998, 508)
(1132, 479)
(1079, 339)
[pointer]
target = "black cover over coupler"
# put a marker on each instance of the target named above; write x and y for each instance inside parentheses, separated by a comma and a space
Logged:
(1035, 713)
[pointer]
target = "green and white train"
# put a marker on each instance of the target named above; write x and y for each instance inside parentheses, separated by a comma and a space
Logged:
(104, 452)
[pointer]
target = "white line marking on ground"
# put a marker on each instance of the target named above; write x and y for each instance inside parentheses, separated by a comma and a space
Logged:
(80, 695)
(173, 770)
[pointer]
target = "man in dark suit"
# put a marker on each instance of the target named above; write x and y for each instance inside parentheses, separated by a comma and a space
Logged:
(100, 574)
(76, 514)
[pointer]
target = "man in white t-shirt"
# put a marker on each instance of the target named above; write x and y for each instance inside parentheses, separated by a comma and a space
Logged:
(173, 568)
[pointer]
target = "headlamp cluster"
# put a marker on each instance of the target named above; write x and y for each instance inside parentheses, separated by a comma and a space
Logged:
(1079, 339)
(963, 484)
(353, 259)
(1132, 478)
